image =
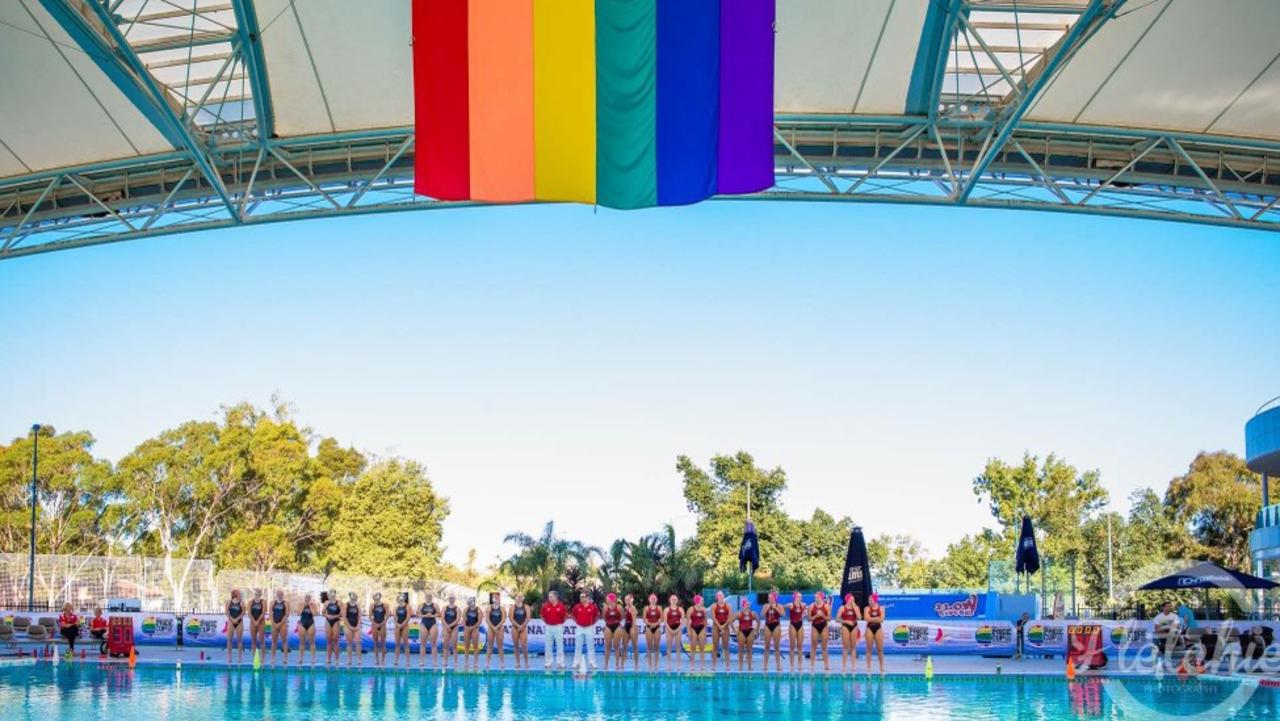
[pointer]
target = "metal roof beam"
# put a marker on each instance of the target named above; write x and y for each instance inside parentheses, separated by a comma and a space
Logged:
(185, 60)
(180, 13)
(121, 64)
(1079, 168)
(184, 41)
(255, 60)
(931, 57)
(1094, 16)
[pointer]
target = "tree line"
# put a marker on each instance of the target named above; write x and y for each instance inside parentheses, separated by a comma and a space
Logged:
(253, 489)
(1205, 513)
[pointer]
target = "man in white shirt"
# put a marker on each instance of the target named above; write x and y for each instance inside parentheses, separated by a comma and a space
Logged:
(1167, 626)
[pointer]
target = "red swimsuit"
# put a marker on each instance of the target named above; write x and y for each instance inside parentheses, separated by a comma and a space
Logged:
(772, 616)
(612, 618)
(721, 613)
(673, 618)
(653, 617)
(796, 614)
(697, 619)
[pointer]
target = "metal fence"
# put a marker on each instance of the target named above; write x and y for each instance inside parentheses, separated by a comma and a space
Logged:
(181, 585)
(86, 581)
(297, 586)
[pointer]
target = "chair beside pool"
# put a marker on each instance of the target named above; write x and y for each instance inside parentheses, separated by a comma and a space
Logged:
(37, 632)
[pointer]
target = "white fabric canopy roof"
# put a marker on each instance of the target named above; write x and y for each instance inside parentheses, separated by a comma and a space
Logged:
(1202, 66)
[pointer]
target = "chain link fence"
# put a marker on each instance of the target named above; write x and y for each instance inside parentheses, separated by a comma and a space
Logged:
(183, 585)
(88, 581)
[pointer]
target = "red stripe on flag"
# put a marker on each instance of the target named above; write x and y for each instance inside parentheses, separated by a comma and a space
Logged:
(442, 148)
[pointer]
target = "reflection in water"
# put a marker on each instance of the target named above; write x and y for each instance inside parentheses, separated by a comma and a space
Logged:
(72, 692)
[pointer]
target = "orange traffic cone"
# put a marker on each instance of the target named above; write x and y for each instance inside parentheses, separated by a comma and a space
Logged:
(133, 657)
(1071, 670)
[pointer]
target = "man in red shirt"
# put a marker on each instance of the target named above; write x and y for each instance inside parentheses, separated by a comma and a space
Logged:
(585, 615)
(554, 612)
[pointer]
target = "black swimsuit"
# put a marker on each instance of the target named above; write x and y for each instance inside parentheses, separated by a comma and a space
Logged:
(873, 626)
(255, 610)
(380, 614)
(333, 613)
(472, 617)
(353, 615)
(428, 613)
(518, 614)
(495, 616)
(277, 612)
(450, 615)
(402, 615)
(306, 618)
(235, 611)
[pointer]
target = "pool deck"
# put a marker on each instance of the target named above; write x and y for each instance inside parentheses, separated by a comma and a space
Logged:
(898, 665)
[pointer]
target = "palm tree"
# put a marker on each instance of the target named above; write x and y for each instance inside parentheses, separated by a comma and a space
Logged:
(645, 560)
(656, 563)
(685, 571)
(548, 562)
(613, 565)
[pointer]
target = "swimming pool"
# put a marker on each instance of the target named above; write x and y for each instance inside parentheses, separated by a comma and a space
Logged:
(81, 692)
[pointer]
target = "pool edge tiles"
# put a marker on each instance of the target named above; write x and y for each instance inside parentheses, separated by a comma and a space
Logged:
(598, 675)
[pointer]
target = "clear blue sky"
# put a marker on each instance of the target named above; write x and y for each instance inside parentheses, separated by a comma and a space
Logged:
(551, 362)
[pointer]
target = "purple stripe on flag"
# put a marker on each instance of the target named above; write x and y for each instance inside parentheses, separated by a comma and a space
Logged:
(746, 96)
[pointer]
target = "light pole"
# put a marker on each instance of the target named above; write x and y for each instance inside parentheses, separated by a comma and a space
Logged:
(1111, 591)
(35, 465)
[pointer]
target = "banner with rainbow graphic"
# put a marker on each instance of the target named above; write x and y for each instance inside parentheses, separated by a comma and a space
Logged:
(910, 636)
(621, 103)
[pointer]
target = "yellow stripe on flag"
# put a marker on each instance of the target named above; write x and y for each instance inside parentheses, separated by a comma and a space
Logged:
(564, 100)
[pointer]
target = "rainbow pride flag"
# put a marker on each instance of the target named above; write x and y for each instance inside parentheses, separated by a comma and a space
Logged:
(623, 103)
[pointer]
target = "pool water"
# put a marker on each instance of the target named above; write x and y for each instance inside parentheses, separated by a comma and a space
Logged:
(74, 692)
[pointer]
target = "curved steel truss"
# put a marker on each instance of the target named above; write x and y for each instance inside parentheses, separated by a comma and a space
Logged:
(962, 140)
(1126, 172)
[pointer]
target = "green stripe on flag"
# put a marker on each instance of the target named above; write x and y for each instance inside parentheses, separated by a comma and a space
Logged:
(626, 103)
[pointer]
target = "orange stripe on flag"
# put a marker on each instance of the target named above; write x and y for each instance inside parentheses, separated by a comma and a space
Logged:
(500, 50)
